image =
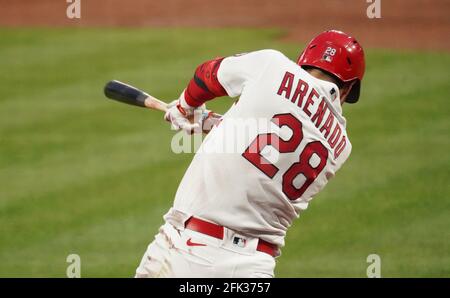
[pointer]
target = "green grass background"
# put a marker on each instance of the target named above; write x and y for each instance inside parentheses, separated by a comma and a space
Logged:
(81, 174)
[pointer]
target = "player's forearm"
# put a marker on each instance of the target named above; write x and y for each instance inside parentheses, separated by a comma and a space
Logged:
(204, 85)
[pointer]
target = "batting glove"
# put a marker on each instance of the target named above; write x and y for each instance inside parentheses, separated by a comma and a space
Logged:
(184, 117)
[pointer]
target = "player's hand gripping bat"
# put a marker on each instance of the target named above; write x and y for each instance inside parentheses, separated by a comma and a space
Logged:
(128, 94)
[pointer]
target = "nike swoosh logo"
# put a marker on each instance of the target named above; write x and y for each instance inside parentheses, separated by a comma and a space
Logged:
(190, 243)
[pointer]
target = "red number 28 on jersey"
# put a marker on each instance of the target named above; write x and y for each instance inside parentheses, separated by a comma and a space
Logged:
(302, 166)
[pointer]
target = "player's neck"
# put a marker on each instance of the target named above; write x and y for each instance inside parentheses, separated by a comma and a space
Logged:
(317, 73)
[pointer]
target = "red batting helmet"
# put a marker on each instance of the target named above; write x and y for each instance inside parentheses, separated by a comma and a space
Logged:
(338, 54)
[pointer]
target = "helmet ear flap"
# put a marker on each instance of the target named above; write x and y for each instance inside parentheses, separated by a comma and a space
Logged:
(353, 95)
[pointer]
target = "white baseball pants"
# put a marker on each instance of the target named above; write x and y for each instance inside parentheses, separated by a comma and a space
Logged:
(186, 253)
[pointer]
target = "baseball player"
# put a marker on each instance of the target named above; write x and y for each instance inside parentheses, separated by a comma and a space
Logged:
(232, 210)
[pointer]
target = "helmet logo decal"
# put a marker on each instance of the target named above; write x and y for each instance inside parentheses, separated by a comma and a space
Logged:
(328, 54)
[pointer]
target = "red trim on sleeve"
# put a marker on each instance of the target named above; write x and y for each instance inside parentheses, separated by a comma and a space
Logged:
(204, 85)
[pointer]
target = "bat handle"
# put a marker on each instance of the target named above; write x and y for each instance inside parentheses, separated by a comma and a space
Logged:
(154, 103)
(210, 119)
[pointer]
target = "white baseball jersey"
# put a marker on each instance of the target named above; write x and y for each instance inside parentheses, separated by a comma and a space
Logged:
(274, 150)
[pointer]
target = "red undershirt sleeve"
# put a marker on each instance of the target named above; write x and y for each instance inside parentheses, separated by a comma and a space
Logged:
(204, 85)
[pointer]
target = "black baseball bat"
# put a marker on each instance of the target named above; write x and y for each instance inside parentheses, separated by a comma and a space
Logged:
(128, 94)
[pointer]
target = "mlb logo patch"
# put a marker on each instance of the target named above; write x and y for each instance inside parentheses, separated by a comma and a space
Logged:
(327, 58)
(239, 241)
(333, 94)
